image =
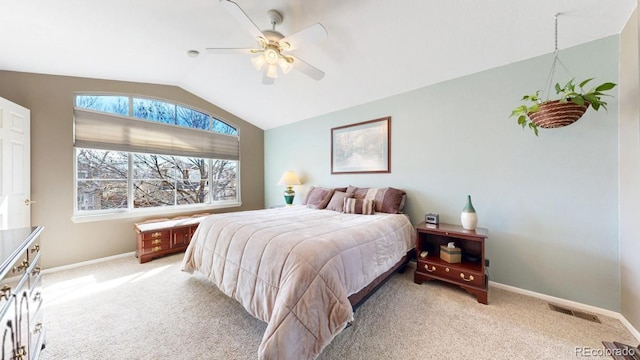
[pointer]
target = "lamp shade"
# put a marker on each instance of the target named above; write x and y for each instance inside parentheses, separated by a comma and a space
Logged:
(289, 178)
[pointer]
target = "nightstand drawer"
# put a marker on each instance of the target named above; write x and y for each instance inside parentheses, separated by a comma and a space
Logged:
(451, 272)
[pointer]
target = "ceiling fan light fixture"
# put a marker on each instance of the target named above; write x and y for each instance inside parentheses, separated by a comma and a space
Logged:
(271, 55)
(272, 44)
(285, 65)
(258, 61)
(272, 71)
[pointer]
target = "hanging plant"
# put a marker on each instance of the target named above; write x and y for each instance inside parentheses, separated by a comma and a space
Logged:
(565, 110)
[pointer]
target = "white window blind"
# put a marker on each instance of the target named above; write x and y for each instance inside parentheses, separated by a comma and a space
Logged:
(94, 130)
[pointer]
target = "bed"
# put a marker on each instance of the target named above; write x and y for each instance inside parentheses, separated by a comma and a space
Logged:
(300, 269)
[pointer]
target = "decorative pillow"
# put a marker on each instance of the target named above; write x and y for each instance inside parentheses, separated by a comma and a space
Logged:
(359, 206)
(337, 201)
(358, 193)
(318, 197)
(387, 200)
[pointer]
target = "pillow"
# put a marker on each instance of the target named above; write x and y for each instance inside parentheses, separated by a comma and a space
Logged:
(387, 200)
(358, 206)
(358, 193)
(318, 197)
(337, 201)
(390, 200)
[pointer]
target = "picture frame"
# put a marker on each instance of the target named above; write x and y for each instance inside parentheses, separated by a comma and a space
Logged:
(362, 148)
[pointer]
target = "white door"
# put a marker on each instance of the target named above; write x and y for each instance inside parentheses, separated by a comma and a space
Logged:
(15, 157)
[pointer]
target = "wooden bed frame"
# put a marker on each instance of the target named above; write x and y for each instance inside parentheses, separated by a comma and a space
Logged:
(361, 296)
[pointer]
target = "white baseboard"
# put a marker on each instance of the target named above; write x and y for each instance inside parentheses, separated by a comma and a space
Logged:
(571, 304)
(629, 326)
(88, 262)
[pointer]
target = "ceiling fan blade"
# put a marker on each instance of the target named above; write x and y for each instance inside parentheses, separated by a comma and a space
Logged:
(267, 80)
(313, 33)
(229, 51)
(244, 20)
(305, 68)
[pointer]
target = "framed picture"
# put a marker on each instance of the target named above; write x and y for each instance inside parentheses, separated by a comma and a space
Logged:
(363, 147)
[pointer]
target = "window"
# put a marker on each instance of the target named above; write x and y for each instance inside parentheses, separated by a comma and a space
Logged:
(134, 153)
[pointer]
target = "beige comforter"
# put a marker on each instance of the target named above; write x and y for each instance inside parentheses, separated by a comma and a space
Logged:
(294, 268)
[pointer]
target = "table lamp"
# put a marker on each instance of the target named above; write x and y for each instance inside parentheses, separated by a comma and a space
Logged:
(289, 179)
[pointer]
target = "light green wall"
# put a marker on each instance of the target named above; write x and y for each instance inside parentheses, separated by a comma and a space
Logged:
(550, 203)
(630, 172)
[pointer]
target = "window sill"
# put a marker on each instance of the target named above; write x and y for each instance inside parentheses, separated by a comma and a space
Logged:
(161, 212)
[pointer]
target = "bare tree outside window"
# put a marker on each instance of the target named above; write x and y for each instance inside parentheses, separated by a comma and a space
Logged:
(169, 180)
(154, 110)
(104, 103)
(102, 178)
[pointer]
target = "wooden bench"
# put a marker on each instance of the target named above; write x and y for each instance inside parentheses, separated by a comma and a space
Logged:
(161, 237)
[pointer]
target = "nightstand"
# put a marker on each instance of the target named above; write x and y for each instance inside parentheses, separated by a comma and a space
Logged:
(469, 274)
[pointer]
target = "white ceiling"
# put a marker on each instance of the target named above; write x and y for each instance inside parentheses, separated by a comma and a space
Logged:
(374, 49)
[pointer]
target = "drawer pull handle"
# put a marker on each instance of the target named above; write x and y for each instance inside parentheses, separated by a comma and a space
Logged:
(156, 241)
(36, 248)
(5, 291)
(156, 248)
(156, 234)
(21, 353)
(433, 268)
(465, 279)
(23, 266)
(447, 269)
(36, 270)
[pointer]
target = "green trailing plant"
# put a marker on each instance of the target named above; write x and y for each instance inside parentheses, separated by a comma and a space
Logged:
(568, 92)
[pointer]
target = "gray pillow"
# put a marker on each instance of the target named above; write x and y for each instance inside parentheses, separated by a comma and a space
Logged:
(318, 197)
(337, 201)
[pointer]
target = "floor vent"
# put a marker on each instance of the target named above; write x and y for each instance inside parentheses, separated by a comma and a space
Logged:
(576, 313)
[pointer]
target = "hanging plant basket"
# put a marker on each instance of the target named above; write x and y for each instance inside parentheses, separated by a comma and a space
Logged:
(571, 103)
(556, 113)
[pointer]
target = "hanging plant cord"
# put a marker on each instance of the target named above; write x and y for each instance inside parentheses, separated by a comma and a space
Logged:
(556, 61)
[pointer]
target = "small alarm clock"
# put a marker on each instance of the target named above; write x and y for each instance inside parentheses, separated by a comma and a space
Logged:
(431, 218)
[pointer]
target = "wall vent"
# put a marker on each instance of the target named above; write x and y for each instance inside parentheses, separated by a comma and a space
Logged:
(576, 313)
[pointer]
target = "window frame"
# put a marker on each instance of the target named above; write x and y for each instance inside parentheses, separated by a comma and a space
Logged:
(80, 216)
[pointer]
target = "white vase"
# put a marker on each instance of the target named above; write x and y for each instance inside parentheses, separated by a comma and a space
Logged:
(468, 217)
(469, 220)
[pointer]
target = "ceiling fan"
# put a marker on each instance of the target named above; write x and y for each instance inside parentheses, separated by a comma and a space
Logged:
(272, 55)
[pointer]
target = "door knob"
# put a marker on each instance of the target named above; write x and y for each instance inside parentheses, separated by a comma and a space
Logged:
(28, 202)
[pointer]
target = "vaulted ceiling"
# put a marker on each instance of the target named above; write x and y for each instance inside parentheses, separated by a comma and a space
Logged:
(374, 48)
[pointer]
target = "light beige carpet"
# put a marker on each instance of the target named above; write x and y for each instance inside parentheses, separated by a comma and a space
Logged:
(125, 310)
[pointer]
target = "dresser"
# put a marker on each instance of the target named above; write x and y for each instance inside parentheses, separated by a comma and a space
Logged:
(21, 319)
